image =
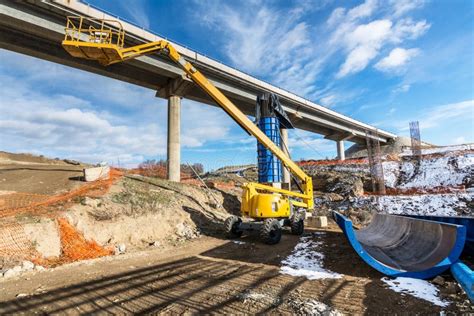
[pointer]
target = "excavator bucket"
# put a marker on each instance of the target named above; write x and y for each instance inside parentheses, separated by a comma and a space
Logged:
(401, 246)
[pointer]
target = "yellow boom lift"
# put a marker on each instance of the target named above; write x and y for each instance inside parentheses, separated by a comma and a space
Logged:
(263, 207)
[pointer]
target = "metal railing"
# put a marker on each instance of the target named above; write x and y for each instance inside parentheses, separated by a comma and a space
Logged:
(96, 30)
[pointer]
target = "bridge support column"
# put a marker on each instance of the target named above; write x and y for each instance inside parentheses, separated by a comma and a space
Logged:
(286, 184)
(174, 144)
(173, 91)
(340, 150)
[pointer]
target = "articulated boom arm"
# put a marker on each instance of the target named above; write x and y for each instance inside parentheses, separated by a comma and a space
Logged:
(104, 49)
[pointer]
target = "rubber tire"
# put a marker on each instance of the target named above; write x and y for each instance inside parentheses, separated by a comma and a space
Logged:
(231, 226)
(297, 225)
(271, 231)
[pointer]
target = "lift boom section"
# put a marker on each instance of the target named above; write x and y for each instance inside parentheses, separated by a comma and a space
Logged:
(103, 41)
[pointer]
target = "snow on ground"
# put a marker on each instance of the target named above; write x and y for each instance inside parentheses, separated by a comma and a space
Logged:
(417, 288)
(391, 172)
(312, 307)
(449, 204)
(439, 150)
(447, 171)
(307, 261)
(438, 172)
(238, 242)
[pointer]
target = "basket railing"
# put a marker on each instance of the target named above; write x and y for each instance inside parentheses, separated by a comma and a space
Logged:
(81, 29)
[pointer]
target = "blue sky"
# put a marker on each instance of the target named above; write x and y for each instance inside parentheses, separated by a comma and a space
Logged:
(382, 62)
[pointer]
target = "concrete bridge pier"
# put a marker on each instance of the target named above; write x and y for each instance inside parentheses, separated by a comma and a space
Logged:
(174, 91)
(340, 150)
(174, 143)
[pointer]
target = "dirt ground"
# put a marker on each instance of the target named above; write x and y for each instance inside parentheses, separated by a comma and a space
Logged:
(209, 275)
(173, 270)
(39, 179)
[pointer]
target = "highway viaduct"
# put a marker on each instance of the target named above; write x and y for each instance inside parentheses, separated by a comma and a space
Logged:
(36, 28)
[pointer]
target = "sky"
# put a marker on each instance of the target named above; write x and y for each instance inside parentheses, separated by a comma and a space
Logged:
(385, 63)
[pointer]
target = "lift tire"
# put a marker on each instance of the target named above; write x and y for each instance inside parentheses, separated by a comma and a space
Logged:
(231, 226)
(297, 225)
(271, 231)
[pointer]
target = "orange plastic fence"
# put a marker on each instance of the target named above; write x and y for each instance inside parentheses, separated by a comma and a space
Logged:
(14, 243)
(75, 247)
(39, 204)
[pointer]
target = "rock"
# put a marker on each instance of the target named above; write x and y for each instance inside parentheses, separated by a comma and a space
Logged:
(319, 221)
(155, 244)
(439, 280)
(451, 288)
(334, 197)
(185, 231)
(341, 183)
(40, 268)
(11, 273)
(21, 295)
(72, 162)
(90, 202)
(120, 249)
(27, 266)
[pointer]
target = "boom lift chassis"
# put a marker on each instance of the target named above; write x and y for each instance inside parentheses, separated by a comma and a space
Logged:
(267, 208)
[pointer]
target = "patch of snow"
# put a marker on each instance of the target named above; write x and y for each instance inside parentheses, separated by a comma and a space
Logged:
(428, 204)
(437, 172)
(439, 150)
(312, 307)
(260, 298)
(418, 288)
(238, 242)
(391, 171)
(307, 261)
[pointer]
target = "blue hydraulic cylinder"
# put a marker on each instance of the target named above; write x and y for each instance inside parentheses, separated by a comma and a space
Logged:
(269, 166)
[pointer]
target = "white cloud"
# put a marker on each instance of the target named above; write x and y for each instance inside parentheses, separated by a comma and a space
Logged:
(267, 41)
(408, 29)
(440, 115)
(402, 88)
(363, 41)
(401, 7)
(292, 50)
(397, 58)
(329, 100)
(363, 10)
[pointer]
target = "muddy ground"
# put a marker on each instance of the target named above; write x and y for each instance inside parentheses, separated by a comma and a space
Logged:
(211, 275)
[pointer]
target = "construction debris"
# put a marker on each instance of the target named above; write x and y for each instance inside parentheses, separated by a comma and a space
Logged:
(96, 173)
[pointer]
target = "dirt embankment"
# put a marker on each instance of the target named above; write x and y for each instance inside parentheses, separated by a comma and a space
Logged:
(141, 211)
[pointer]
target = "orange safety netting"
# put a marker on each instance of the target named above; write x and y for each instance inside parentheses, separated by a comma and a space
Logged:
(75, 247)
(304, 163)
(38, 205)
(14, 243)
(157, 171)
